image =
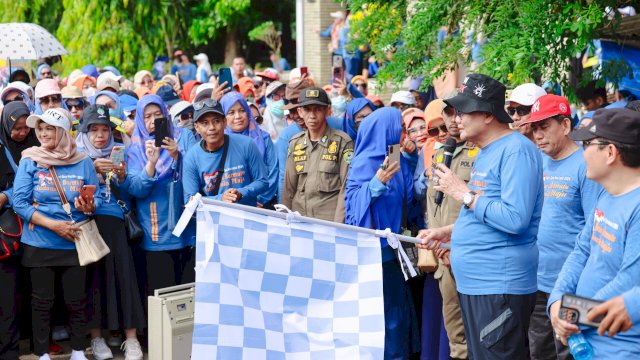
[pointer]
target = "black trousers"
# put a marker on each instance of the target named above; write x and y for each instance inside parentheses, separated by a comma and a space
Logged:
(542, 341)
(9, 325)
(496, 325)
(169, 268)
(72, 280)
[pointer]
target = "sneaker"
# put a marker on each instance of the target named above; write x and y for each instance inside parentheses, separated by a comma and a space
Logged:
(115, 340)
(44, 357)
(60, 333)
(100, 349)
(78, 355)
(132, 349)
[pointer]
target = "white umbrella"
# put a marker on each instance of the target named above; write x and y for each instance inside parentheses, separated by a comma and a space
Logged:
(27, 42)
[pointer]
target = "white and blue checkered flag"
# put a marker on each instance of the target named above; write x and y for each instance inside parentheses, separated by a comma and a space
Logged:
(268, 289)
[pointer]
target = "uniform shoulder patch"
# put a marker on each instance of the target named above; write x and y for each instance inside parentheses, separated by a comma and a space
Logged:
(473, 152)
(347, 155)
(341, 134)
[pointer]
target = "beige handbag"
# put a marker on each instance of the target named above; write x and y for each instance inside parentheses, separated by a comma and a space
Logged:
(90, 244)
(427, 260)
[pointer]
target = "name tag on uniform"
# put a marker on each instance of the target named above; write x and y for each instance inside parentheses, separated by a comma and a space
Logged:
(330, 157)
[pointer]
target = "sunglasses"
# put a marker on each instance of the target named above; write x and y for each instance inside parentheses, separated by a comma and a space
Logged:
(521, 110)
(360, 85)
(586, 143)
(17, 98)
(46, 100)
(75, 104)
(210, 103)
(435, 131)
(186, 115)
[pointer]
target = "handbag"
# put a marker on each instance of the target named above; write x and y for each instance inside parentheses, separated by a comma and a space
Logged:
(132, 226)
(10, 224)
(90, 244)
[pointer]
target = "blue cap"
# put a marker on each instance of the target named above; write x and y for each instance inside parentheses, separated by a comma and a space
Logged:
(112, 69)
(128, 102)
(168, 95)
(90, 70)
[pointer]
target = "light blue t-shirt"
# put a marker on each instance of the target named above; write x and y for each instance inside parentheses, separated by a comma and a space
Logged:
(493, 245)
(568, 197)
(605, 263)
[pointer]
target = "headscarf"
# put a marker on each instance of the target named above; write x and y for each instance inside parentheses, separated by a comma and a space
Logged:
(187, 88)
(137, 78)
(245, 85)
(17, 86)
(85, 145)
(349, 119)
(40, 68)
(8, 122)
(79, 81)
(142, 91)
(137, 156)
(117, 112)
(379, 130)
(253, 129)
(64, 153)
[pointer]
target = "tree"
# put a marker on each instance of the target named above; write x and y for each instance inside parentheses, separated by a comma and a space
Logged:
(525, 39)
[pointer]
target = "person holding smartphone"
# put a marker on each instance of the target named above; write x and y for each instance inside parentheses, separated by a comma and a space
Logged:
(152, 171)
(114, 286)
(48, 234)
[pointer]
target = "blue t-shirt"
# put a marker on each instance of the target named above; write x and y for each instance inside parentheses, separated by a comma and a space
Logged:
(605, 263)
(33, 190)
(568, 198)
(187, 72)
(493, 245)
(282, 147)
(244, 170)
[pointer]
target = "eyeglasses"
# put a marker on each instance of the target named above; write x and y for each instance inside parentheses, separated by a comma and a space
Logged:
(435, 131)
(233, 113)
(420, 129)
(75, 104)
(50, 99)
(360, 85)
(521, 110)
(210, 103)
(17, 98)
(586, 143)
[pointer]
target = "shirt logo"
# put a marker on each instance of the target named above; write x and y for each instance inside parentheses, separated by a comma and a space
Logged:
(599, 217)
(333, 148)
(479, 90)
(44, 178)
(210, 181)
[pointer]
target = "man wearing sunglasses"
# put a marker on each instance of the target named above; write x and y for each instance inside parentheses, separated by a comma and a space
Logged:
(604, 263)
(520, 103)
(494, 256)
(569, 199)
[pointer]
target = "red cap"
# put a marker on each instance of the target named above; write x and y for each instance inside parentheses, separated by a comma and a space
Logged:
(547, 106)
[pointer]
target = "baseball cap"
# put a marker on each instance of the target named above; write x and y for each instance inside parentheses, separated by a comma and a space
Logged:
(93, 115)
(206, 106)
(128, 103)
(480, 92)
(273, 87)
(313, 96)
(526, 94)
(56, 117)
(404, 97)
(179, 107)
(106, 81)
(168, 95)
(201, 57)
(292, 93)
(71, 92)
(620, 125)
(47, 87)
(269, 73)
(547, 106)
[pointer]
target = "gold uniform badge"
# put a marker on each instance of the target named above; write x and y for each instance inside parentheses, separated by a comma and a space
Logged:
(333, 148)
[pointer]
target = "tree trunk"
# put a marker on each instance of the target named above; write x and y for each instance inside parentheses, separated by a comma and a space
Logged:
(288, 48)
(231, 45)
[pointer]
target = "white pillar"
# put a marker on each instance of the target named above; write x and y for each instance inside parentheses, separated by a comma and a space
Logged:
(299, 33)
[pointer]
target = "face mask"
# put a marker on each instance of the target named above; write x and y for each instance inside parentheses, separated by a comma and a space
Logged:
(275, 108)
(339, 104)
(89, 92)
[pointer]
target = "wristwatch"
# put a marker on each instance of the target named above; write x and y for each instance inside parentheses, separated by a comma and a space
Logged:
(467, 199)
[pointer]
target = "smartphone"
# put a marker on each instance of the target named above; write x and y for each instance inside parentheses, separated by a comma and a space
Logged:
(338, 61)
(304, 71)
(338, 75)
(393, 152)
(87, 191)
(117, 155)
(161, 130)
(574, 309)
(224, 74)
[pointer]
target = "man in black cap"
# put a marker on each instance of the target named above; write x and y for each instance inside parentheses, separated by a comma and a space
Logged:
(496, 229)
(318, 161)
(605, 262)
(223, 167)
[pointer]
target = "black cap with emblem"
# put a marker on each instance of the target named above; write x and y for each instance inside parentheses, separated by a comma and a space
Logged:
(620, 125)
(313, 96)
(95, 115)
(480, 92)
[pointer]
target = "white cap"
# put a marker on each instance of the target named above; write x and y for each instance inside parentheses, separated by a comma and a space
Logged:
(205, 86)
(404, 97)
(111, 75)
(107, 80)
(201, 57)
(338, 15)
(55, 117)
(179, 107)
(526, 94)
(275, 85)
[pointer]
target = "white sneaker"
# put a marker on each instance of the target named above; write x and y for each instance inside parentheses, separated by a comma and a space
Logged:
(132, 349)
(100, 349)
(44, 357)
(77, 355)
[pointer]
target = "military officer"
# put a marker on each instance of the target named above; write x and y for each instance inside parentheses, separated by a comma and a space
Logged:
(317, 162)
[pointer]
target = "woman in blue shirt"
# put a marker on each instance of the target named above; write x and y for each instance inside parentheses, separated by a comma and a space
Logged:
(114, 286)
(152, 171)
(48, 233)
(241, 121)
(376, 194)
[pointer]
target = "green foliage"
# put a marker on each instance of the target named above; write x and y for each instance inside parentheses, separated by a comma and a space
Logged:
(267, 33)
(524, 39)
(214, 16)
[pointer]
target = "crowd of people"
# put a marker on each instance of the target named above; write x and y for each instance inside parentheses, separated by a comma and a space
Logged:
(535, 203)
